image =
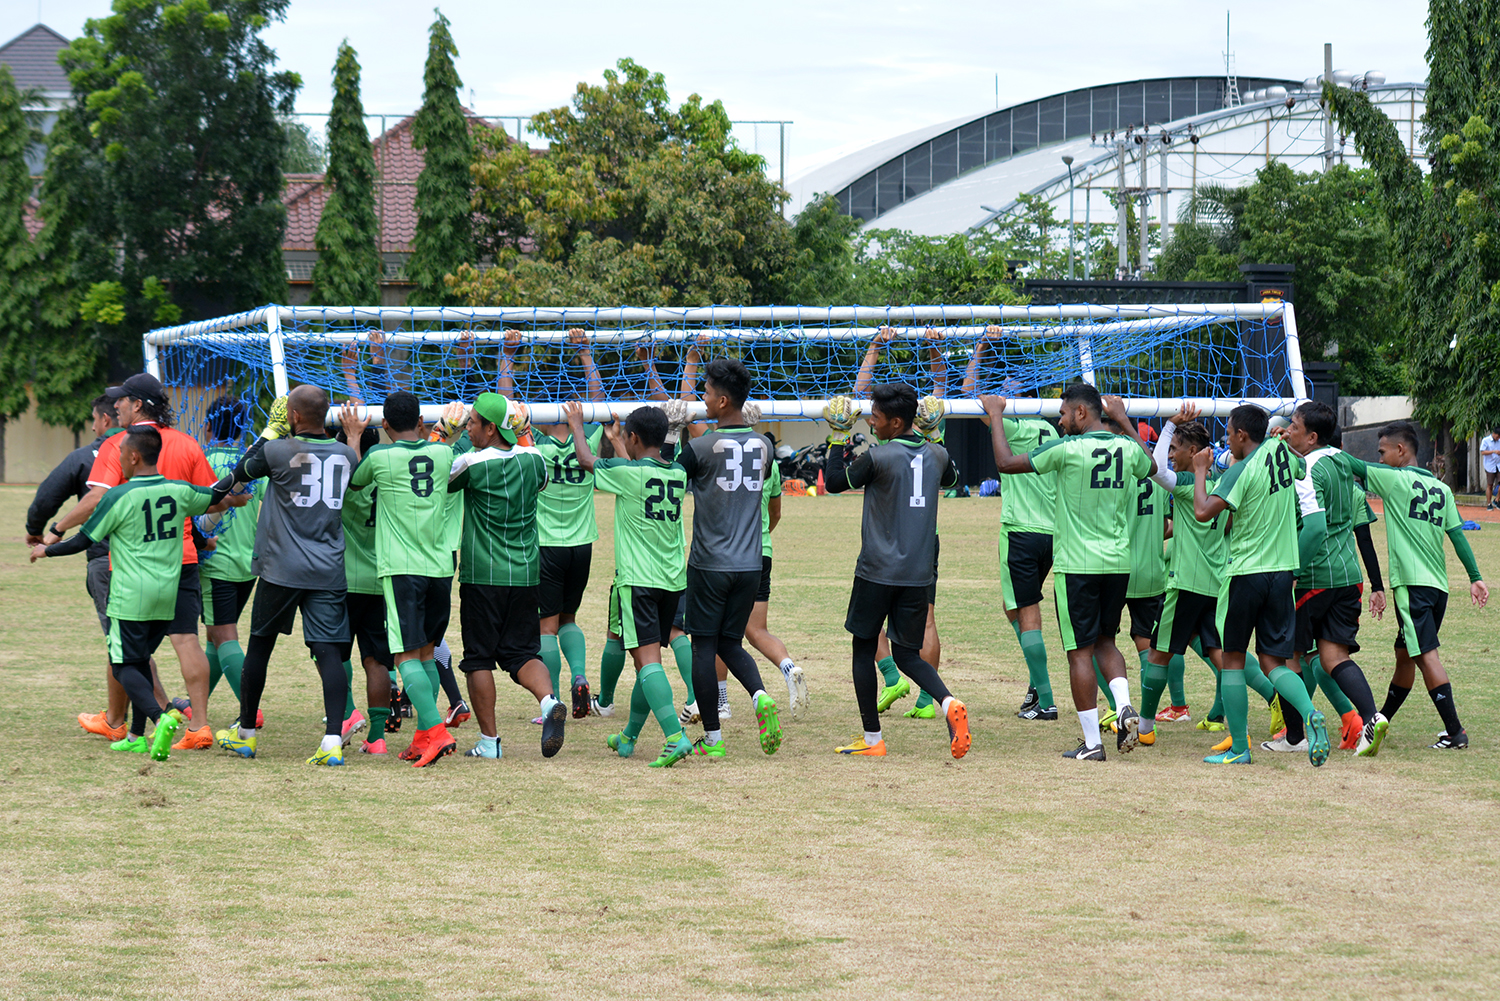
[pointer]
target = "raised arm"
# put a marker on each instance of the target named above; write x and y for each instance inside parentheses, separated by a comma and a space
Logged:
(574, 413)
(505, 377)
(1161, 453)
(981, 347)
(1005, 460)
(866, 375)
(646, 355)
(593, 385)
(1205, 508)
(936, 363)
(1114, 409)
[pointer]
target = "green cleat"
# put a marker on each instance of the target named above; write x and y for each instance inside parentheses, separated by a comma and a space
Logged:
(230, 740)
(166, 731)
(1228, 758)
(1371, 736)
(1215, 725)
(133, 745)
(1278, 719)
(770, 724)
(929, 711)
(892, 694)
(621, 744)
(1107, 720)
(1317, 739)
(675, 750)
(703, 749)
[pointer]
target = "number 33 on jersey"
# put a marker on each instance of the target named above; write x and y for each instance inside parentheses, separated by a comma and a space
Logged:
(726, 471)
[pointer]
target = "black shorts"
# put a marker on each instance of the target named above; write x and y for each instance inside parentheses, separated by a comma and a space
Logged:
(642, 615)
(937, 547)
(1419, 616)
(96, 583)
(325, 613)
(1144, 614)
(763, 593)
(135, 642)
(1185, 615)
(1025, 563)
(679, 620)
(416, 610)
(501, 627)
(719, 602)
(1089, 606)
(1262, 603)
(1330, 614)
(367, 625)
(189, 602)
(565, 576)
(901, 609)
(224, 601)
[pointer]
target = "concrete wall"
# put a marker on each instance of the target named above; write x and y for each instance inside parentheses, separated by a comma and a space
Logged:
(32, 448)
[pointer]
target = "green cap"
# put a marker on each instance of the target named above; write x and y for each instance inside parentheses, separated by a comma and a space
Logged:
(495, 408)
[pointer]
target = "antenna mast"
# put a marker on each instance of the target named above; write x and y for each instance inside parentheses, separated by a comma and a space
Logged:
(1231, 83)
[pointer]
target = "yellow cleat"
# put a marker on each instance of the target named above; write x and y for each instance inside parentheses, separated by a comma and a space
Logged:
(858, 746)
(1223, 745)
(1147, 738)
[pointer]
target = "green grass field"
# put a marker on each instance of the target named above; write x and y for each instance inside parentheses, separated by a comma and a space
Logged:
(1011, 873)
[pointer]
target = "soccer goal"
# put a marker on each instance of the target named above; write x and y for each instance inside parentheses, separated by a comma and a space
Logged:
(1216, 356)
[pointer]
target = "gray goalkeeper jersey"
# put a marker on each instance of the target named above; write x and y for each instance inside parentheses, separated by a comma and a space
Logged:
(898, 534)
(299, 539)
(726, 470)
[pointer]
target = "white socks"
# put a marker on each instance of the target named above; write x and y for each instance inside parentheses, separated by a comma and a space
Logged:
(247, 734)
(787, 665)
(1089, 720)
(871, 739)
(712, 736)
(723, 690)
(331, 742)
(1120, 689)
(547, 703)
(944, 707)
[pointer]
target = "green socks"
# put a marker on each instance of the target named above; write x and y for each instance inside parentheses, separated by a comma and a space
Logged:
(552, 657)
(1035, 652)
(682, 652)
(226, 661)
(640, 708)
(574, 650)
(1153, 683)
(1256, 680)
(1330, 688)
(1015, 625)
(1216, 711)
(349, 686)
(1237, 708)
(1176, 671)
(377, 723)
(658, 691)
(436, 684)
(888, 671)
(611, 663)
(214, 671)
(923, 700)
(422, 692)
(1293, 691)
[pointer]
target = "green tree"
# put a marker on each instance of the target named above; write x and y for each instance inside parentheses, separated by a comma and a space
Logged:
(1447, 226)
(305, 153)
(823, 271)
(444, 238)
(15, 257)
(348, 268)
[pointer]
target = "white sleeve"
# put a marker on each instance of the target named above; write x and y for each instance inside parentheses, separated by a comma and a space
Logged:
(460, 463)
(1163, 474)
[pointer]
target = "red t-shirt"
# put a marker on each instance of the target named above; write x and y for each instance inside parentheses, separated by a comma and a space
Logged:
(181, 458)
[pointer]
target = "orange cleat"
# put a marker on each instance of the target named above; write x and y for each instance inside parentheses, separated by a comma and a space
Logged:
(195, 740)
(958, 728)
(1353, 727)
(858, 747)
(436, 743)
(414, 749)
(1147, 738)
(1223, 745)
(99, 723)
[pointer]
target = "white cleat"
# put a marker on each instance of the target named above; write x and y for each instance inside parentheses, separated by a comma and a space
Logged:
(1281, 746)
(724, 711)
(595, 709)
(793, 705)
(800, 680)
(688, 714)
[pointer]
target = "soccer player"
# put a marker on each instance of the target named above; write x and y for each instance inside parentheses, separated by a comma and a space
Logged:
(365, 601)
(1095, 473)
(228, 580)
(1260, 490)
(650, 569)
(1329, 581)
(1150, 527)
(1027, 510)
(567, 532)
(299, 558)
(499, 569)
(70, 479)
(902, 477)
(414, 558)
(757, 630)
(726, 471)
(142, 517)
(1419, 512)
(142, 400)
(1189, 615)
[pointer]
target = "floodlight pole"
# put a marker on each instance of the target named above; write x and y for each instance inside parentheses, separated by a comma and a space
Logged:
(1069, 161)
(1122, 225)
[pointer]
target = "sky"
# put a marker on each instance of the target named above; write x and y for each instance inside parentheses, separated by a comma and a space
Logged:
(845, 74)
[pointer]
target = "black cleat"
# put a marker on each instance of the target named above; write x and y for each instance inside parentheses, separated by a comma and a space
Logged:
(1036, 712)
(552, 730)
(1127, 734)
(580, 696)
(1455, 743)
(1085, 753)
(1029, 703)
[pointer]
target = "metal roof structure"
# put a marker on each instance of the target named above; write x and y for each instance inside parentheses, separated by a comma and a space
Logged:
(32, 58)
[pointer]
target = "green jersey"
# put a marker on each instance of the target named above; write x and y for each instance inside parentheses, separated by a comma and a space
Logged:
(236, 543)
(1364, 514)
(565, 515)
(1095, 477)
(142, 519)
(1199, 549)
(771, 488)
(499, 487)
(358, 514)
(1148, 530)
(1028, 502)
(1328, 486)
(411, 523)
(1261, 490)
(1419, 511)
(650, 547)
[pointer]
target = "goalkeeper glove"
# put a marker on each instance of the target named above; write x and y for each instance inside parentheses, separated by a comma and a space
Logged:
(841, 412)
(518, 419)
(677, 419)
(930, 419)
(277, 425)
(751, 412)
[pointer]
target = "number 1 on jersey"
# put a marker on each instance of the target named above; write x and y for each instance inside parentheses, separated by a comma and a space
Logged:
(918, 499)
